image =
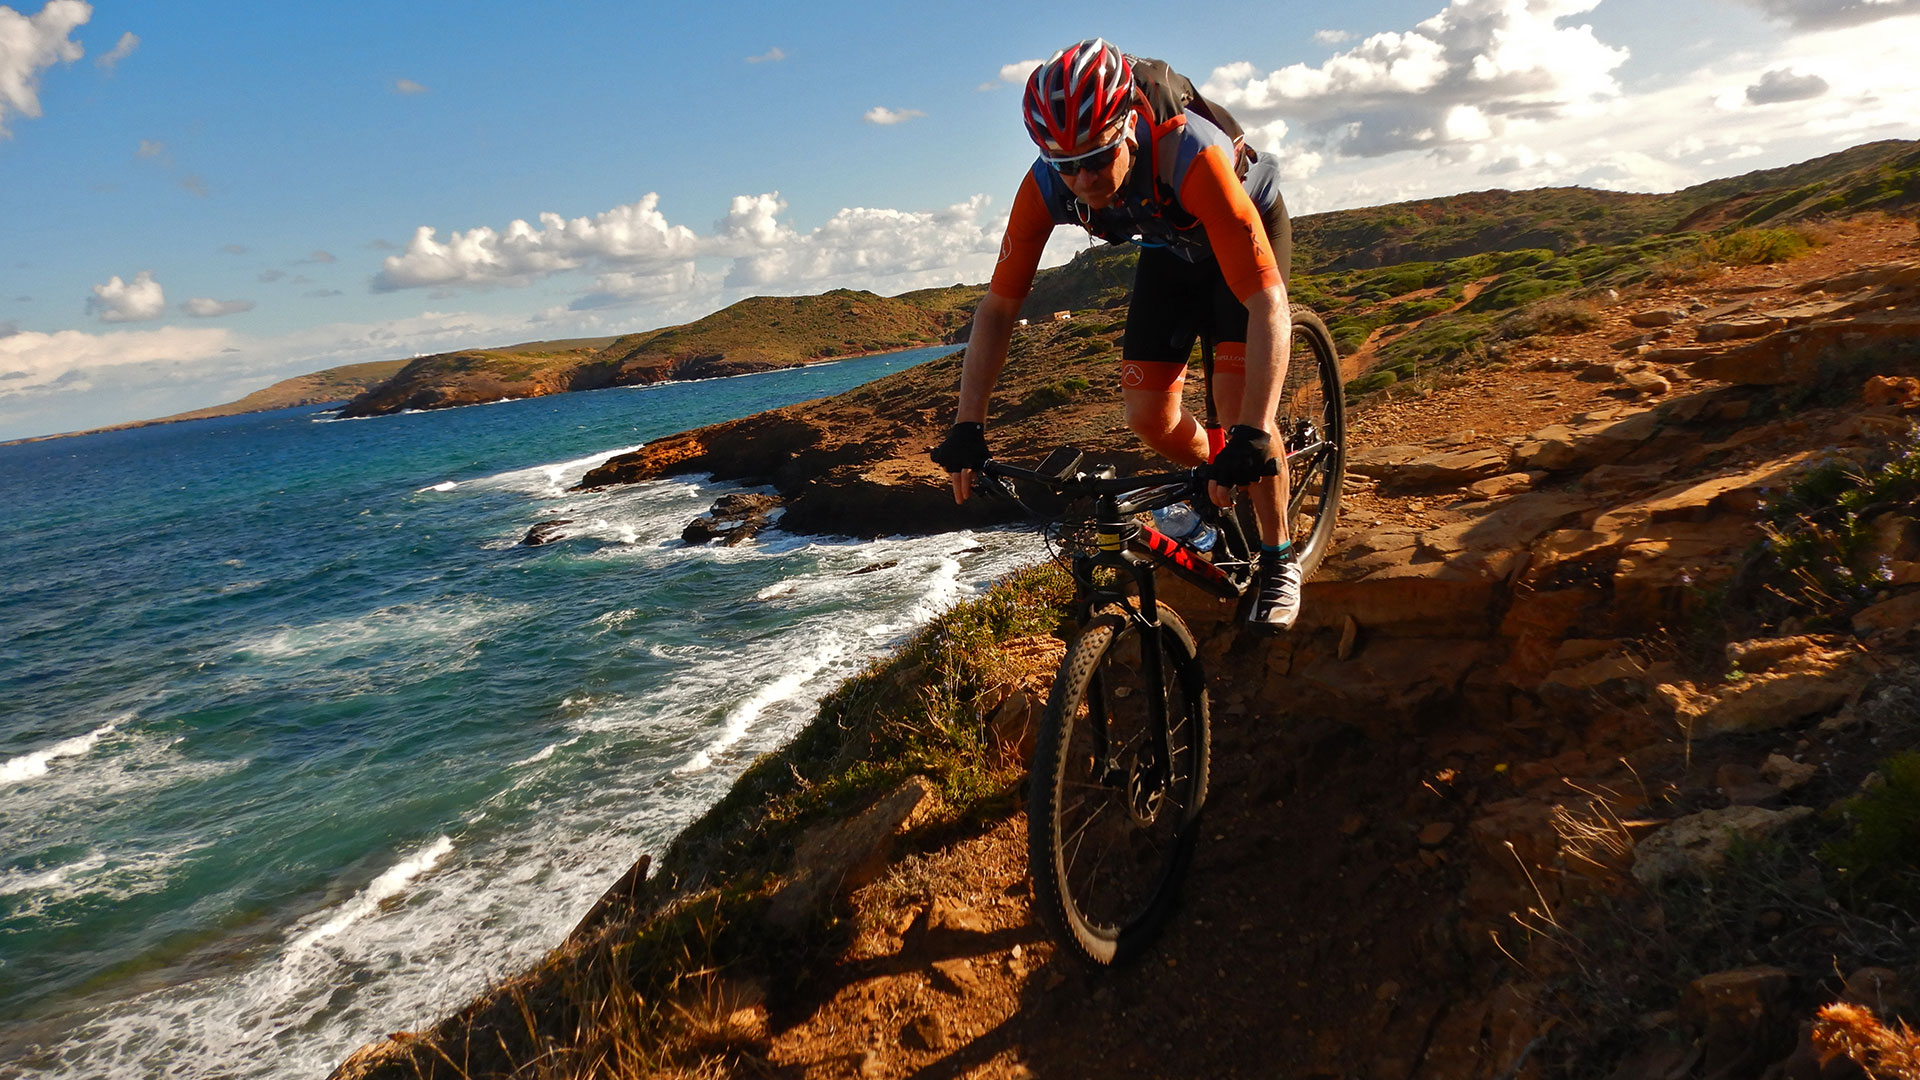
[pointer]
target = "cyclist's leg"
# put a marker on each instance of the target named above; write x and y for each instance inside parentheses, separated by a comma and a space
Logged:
(1153, 358)
(1228, 320)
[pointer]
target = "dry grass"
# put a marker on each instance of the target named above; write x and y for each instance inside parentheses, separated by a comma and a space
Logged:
(1855, 1033)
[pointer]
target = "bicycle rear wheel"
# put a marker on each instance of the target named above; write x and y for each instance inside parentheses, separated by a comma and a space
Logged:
(1116, 791)
(1312, 422)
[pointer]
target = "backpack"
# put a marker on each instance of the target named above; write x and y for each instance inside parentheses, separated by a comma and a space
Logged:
(1168, 95)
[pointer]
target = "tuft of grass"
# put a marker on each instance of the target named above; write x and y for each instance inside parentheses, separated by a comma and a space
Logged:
(1558, 315)
(1818, 558)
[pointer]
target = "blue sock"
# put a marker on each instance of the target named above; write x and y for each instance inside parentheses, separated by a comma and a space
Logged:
(1278, 551)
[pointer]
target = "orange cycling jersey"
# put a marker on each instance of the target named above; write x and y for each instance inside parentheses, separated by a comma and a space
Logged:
(1200, 211)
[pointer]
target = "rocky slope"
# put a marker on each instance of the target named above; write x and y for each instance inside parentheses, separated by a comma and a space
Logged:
(1474, 818)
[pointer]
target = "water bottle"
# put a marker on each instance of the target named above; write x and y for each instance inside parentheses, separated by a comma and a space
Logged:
(1182, 522)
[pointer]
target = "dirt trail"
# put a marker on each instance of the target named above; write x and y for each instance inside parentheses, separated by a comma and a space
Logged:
(1323, 932)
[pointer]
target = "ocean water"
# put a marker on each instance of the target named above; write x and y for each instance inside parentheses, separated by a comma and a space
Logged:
(299, 746)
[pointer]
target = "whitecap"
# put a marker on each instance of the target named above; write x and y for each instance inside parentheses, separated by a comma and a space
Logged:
(19, 770)
(444, 485)
(391, 882)
(741, 717)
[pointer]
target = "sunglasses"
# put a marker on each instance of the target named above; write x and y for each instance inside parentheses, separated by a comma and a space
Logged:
(1093, 160)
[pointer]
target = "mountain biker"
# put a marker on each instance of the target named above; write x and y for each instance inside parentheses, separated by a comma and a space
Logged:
(1131, 154)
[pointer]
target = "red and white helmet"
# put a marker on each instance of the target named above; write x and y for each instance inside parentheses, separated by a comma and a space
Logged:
(1073, 98)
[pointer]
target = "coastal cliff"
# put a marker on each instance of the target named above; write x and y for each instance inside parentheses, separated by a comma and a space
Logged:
(1469, 820)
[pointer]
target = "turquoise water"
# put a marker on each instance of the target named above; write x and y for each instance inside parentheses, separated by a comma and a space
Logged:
(299, 746)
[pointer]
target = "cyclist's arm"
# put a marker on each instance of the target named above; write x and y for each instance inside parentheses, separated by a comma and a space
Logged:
(1213, 193)
(993, 320)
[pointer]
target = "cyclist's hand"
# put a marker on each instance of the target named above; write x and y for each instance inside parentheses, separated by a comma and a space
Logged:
(1245, 459)
(961, 452)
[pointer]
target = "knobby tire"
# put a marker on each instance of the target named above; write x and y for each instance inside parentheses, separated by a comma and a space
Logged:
(1108, 852)
(1313, 413)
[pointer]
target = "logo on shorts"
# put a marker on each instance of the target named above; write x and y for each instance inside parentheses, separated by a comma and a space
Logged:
(1132, 375)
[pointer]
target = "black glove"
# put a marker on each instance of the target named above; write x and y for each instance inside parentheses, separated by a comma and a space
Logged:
(1244, 459)
(965, 447)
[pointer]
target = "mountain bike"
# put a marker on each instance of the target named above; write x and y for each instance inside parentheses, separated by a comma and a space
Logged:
(1119, 771)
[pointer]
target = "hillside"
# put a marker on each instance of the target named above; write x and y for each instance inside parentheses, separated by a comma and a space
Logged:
(760, 333)
(316, 388)
(1470, 820)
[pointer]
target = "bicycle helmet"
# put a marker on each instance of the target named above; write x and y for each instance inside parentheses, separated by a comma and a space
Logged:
(1073, 98)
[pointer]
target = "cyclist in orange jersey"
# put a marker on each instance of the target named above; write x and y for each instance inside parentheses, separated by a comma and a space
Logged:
(1129, 152)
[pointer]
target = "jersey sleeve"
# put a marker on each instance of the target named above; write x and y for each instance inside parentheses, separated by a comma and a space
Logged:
(1028, 227)
(1212, 193)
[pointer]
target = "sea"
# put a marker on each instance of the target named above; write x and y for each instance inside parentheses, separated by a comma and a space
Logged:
(301, 745)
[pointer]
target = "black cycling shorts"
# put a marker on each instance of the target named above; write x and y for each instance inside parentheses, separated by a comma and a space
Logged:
(1176, 301)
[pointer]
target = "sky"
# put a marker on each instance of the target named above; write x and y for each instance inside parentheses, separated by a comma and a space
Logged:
(203, 198)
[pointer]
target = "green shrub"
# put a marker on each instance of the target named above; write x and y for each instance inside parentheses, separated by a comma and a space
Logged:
(1879, 857)
(1751, 247)
(1371, 381)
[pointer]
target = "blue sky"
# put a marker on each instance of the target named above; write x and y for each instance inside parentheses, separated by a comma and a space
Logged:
(203, 198)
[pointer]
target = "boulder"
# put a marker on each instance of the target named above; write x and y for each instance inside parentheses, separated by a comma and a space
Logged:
(836, 857)
(735, 517)
(1812, 354)
(1738, 329)
(1697, 844)
(1743, 1017)
(1448, 469)
(1657, 317)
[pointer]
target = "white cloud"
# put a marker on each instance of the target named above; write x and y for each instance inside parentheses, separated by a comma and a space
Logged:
(408, 86)
(886, 117)
(319, 256)
(122, 49)
(1477, 71)
(201, 307)
(150, 149)
(771, 56)
(1824, 14)
(1782, 84)
(1684, 128)
(1015, 73)
(1332, 37)
(633, 235)
(640, 257)
(194, 184)
(121, 301)
(28, 46)
(30, 360)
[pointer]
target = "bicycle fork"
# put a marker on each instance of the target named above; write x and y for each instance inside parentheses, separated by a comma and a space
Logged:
(1144, 778)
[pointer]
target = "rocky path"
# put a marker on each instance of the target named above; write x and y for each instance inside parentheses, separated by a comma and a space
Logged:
(1382, 828)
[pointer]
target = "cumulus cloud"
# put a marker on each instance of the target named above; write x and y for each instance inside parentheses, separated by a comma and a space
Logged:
(1477, 71)
(122, 49)
(128, 301)
(1015, 73)
(866, 244)
(1332, 37)
(771, 56)
(1822, 14)
(201, 307)
(639, 256)
(634, 233)
(29, 46)
(30, 360)
(1782, 84)
(407, 86)
(886, 117)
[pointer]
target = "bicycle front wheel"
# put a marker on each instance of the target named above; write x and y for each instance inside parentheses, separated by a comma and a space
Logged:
(1117, 784)
(1312, 422)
